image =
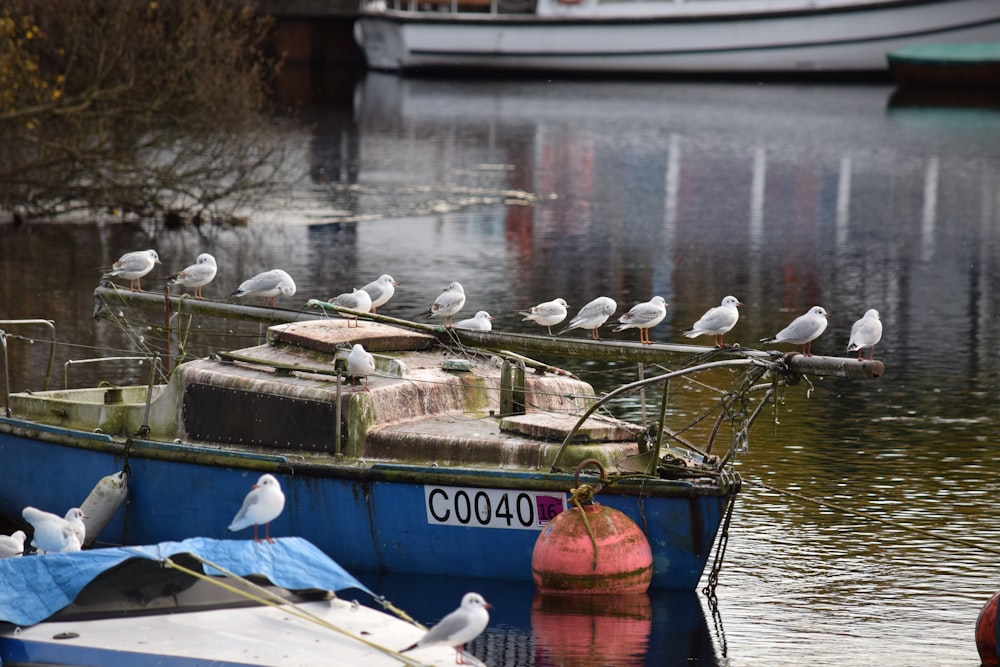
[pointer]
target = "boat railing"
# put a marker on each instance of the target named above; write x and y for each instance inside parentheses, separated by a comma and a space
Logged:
(4, 358)
(465, 6)
(101, 360)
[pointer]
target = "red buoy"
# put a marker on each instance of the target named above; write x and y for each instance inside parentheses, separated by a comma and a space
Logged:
(988, 633)
(611, 556)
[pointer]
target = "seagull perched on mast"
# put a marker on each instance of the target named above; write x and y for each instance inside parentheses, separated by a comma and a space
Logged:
(546, 314)
(866, 332)
(449, 302)
(134, 265)
(803, 330)
(717, 321)
(593, 315)
(644, 316)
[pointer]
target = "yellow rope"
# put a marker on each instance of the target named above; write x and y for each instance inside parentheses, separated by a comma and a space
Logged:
(277, 601)
(578, 496)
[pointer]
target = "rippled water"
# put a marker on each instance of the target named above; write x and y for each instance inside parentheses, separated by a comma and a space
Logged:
(786, 195)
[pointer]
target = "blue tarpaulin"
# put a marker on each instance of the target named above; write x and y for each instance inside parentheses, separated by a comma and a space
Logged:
(32, 588)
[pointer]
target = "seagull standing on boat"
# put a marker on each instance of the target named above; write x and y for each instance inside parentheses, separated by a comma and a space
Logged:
(133, 266)
(644, 316)
(803, 330)
(262, 505)
(269, 285)
(593, 315)
(449, 302)
(717, 321)
(482, 321)
(546, 314)
(196, 276)
(12, 545)
(459, 627)
(360, 363)
(53, 533)
(358, 300)
(381, 290)
(866, 332)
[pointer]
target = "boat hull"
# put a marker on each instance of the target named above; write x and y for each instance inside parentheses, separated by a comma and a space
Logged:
(418, 519)
(684, 37)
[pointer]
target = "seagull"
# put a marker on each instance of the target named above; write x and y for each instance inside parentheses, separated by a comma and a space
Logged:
(53, 533)
(546, 314)
(593, 315)
(358, 300)
(360, 362)
(449, 302)
(261, 506)
(644, 316)
(717, 321)
(866, 332)
(197, 275)
(803, 330)
(74, 517)
(134, 265)
(12, 545)
(269, 285)
(381, 290)
(482, 321)
(459, 627)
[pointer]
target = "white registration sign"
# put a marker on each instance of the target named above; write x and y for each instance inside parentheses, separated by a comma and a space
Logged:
(491, 508)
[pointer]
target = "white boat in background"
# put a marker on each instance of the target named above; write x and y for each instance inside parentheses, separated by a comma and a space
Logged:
(198, 602)
(662, 36)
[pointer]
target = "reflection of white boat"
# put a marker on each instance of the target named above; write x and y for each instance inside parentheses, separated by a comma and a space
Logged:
(154, 605)
(662, 35)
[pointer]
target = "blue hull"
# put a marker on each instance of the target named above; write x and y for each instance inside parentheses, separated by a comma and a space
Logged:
(379, 518)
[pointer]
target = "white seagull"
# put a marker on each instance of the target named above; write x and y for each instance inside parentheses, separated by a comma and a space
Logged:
(803, 330)
(12, 545)
(644, 316)
(866, 332)
(360, 362)
(269, 285)
(593, 315)
(261, 506)
(196, 276)
(546, 314)
(449, 302)
(134, 265)
(459, 627)
(53, 533)
(482, 321)
(358, 300)
(717, 321)
(381, 290)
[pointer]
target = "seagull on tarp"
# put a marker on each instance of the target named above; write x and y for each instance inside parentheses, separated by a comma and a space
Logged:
(12, 545)
(381, 290)
(133, 266)
(449, 302)
(546, 314)
(269, 284)
(459, 627)
(357, 299)
(716, 321)
(196, 276)
(262, 505)
(53, 533)
(803, 330)
(644, 316)
(593, 315)
(866, 332)
(360, 363)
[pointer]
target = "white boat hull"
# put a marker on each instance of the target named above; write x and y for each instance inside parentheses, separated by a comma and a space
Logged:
(695, 37)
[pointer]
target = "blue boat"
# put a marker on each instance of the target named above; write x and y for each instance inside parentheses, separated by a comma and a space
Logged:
(451, 461)
(198, 602)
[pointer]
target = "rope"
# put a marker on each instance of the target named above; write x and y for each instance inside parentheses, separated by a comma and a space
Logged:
(580, 496)
(270, 599)
(873, 517)
(720, 553)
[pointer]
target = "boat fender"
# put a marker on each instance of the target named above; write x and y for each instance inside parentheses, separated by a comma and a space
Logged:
(988, 633)
(102, 503)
